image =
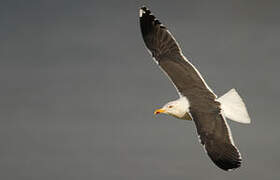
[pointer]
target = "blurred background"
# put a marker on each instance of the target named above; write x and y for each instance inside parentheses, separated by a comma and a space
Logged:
(78, 89)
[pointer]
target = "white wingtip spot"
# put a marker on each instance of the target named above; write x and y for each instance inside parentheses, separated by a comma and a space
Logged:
(141, 12)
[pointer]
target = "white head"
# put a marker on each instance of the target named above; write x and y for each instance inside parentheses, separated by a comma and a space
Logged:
(177, 108)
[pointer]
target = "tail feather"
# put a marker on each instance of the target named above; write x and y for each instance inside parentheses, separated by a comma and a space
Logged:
(234, 108)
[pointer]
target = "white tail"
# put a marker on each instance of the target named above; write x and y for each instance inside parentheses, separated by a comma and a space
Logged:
(234, 108)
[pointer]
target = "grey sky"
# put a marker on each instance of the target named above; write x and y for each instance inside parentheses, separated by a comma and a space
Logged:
(78, 89)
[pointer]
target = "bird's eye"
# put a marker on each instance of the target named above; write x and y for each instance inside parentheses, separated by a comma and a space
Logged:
(170, 106)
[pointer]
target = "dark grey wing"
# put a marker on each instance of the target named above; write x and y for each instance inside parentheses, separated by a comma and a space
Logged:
(215, 136)
(167, 54)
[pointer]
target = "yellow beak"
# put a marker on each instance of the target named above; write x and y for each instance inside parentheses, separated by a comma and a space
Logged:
(158, 111)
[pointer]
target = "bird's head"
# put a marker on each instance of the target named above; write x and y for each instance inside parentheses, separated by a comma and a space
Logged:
(178, 108)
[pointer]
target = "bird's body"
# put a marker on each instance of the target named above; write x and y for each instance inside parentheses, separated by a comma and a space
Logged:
(196, 101)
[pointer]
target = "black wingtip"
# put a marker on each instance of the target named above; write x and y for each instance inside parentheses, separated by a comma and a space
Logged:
(227, 165)
(144, 11)
(225, 157)
(148, 21)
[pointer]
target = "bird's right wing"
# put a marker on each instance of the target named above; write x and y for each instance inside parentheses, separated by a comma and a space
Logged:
(215, 136)
(167, 53)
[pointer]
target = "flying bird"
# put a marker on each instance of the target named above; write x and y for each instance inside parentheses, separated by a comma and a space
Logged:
(196, 102)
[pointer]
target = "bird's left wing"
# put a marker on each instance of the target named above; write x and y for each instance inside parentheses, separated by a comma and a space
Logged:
(167, 53)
